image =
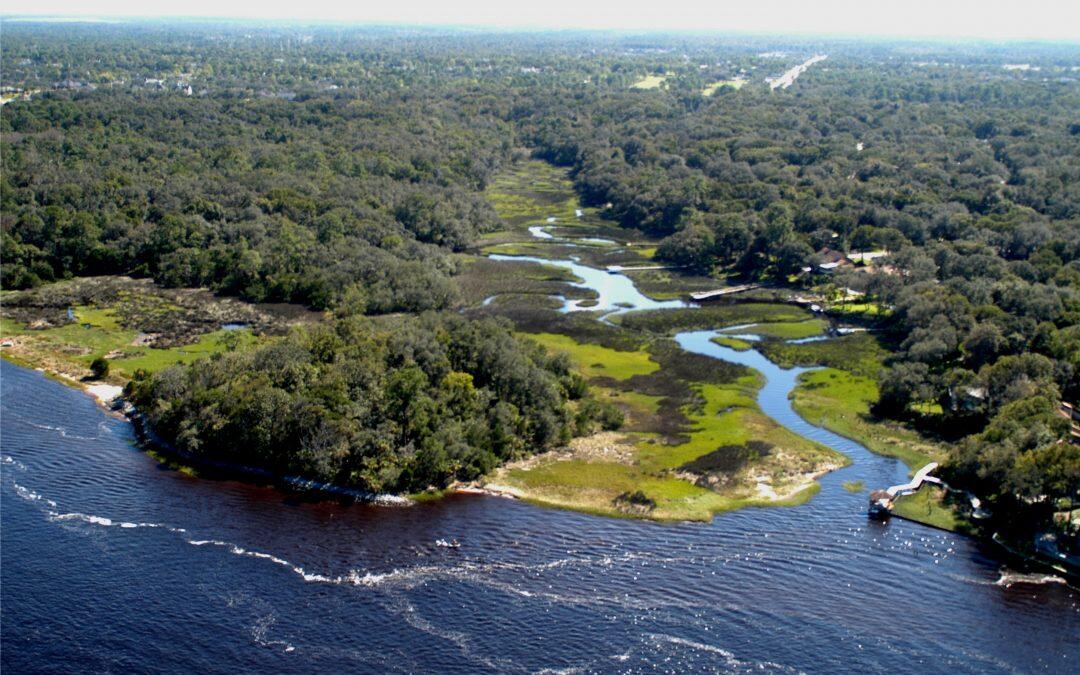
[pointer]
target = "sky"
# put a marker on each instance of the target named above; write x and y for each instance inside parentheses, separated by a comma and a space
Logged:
(991, 19)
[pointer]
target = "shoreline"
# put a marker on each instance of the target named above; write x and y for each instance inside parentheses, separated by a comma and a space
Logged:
(109, 398)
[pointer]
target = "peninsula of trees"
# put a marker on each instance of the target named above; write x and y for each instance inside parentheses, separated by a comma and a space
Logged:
(344, 170)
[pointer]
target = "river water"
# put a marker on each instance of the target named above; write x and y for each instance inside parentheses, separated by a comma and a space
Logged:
(110, 562)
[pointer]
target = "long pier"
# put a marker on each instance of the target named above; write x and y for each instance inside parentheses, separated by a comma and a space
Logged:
(720, 292)
(615, 269)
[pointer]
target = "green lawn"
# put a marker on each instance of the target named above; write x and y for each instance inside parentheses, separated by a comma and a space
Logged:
(929, 506)
(736, 83)
(840, 401)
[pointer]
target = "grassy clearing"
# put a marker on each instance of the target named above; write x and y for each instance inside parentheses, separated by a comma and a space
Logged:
(865, 311)
(931, 506)
(649, 82)
(99, 332)
(736, 84)
(153, 360)
(594, 360)
(840, 401)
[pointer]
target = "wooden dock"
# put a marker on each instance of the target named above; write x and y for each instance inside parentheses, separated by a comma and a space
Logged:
(881, 501)
(720, 292)
(921, 476)
(615, 269)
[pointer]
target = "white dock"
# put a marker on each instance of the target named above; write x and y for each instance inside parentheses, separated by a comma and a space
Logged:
(720, 292)
(916, 482)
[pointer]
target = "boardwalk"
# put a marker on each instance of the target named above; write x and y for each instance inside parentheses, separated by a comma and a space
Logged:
(920, 477)
(615, 269)
(720, 292)
(881, 501)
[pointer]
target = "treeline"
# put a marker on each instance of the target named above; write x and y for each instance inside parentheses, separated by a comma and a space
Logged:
(399, 405)
(321, 202)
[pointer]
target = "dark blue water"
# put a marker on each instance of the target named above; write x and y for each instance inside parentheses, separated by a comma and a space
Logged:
(110, 562)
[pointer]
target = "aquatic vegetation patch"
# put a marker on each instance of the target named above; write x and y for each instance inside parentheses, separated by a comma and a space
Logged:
(859, 353)
(593, 360)
(712, 315)
(734, 343)
(787, 330)
(853, 486)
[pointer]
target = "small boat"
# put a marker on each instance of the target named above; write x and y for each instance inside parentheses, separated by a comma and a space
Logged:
(880, 504)
(453, 543)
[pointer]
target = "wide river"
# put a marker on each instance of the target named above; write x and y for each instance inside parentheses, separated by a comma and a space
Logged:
(112, 563)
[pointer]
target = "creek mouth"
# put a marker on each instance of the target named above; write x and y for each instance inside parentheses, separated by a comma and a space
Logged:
(141, 568)
(150, 569)
(618, 294)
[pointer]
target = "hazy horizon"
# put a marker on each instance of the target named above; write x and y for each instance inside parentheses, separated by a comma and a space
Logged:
(1049, 20)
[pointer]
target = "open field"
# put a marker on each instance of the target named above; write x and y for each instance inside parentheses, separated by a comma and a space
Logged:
(736, 84)
(649, 82)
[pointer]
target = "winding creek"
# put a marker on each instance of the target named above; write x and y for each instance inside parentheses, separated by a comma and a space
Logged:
(110, 562)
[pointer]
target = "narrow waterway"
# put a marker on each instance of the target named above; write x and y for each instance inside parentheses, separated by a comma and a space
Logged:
(109, 561)
(615, 292)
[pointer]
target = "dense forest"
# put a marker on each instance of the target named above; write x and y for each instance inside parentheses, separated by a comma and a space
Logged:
(400, 405)
(341, 169)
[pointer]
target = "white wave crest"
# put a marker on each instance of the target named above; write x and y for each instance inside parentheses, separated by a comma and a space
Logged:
(7, 460)
(62, 432)
(1009, 578)
(31, 496)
